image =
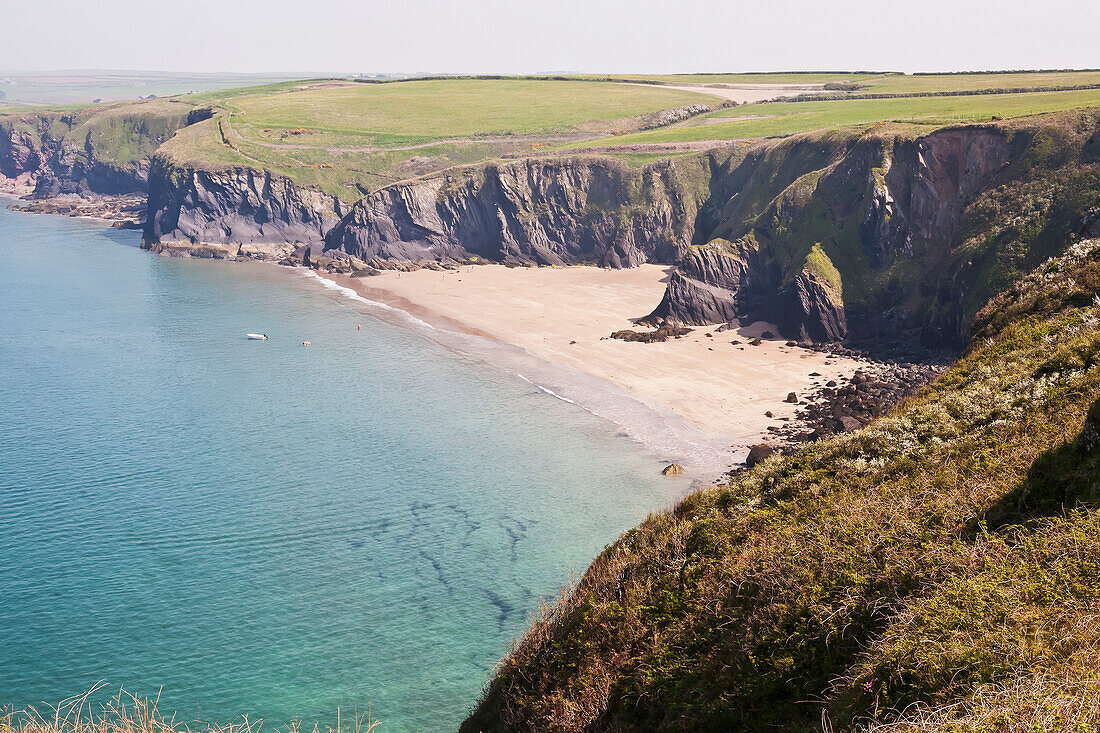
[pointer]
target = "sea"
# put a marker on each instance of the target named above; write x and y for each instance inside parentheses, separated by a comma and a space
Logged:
(263, 528)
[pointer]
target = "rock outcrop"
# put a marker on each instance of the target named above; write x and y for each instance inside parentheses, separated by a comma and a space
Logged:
(877, 239)
(88, 151)
(236, 213)
(886, 239)
(547, 212)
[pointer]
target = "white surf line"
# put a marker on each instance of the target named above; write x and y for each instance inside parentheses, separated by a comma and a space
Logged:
(350, 294)
(552, 393)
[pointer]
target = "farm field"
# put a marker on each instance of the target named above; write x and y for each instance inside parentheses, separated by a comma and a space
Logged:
(347, 137)
(892, 83)
(787, 118)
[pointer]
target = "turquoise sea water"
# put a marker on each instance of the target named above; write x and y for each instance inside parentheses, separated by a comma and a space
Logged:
(264, 528)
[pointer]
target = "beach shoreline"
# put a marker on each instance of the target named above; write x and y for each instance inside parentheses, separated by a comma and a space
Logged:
(701, 400)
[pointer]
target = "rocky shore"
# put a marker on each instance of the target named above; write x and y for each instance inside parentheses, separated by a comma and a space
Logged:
(125, 211)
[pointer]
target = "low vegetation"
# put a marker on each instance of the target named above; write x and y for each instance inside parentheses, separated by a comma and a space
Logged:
(126, 713)
(937, 567)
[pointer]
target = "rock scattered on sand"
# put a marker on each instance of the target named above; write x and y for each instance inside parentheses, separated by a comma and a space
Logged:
(672, 469)
(662, 333)
(755, 342)
(768, 414)
(792, 398)
(843, 405)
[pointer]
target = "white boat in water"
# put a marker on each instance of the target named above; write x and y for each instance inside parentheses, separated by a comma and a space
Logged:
(257, 336)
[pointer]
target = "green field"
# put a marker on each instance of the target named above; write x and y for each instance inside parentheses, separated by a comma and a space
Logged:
(344, 137)
(440, 109)
(891, 83)
(788, 118)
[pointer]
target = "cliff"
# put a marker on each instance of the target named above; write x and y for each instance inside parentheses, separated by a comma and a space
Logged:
(934, 570)
(551, 212)
(893, 238)
(890, 238)
(233, 213)
(95, 150)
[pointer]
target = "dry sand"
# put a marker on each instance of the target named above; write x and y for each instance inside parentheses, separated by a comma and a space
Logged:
(564, 316)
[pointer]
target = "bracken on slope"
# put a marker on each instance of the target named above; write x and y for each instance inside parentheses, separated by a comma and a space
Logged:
(937, 569)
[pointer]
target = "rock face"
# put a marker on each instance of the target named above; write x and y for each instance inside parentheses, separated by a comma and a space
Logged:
(882, 240)
(705, 287)
(547, 212)
(83, 153)
(810, 309)
(234, 213)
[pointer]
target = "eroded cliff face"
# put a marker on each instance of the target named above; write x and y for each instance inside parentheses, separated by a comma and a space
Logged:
(88, 151)
(236, 213)
(550, 212)
(891, 239)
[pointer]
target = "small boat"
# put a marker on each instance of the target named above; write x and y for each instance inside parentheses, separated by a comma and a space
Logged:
(257, 336)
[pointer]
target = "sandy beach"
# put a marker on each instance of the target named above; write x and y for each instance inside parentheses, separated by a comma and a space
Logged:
(565, 315)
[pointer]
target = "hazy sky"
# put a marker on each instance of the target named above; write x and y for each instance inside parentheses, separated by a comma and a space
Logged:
(487, 36)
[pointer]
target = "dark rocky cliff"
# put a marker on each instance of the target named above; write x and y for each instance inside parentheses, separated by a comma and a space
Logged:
(234, 213)
(550, 212)
(891, 239)
(89, 151)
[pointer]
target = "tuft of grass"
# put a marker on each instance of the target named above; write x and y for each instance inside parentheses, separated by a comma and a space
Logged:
(127, 713)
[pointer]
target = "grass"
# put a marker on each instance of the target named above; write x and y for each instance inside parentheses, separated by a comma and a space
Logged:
(415, 111)
(126, 713)
(347, 138)
(788, 118)
(890, 83)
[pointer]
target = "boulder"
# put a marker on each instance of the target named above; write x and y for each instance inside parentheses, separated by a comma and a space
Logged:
(792, 398)
(758, 454)
(672, 469)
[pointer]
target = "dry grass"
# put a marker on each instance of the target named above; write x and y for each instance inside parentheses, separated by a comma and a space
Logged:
(127, 713)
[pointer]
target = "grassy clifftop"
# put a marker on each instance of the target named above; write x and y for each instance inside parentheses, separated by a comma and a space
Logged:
(939, 566)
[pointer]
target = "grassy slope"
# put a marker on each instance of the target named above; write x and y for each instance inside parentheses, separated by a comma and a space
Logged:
(788, 118)
(122, 134)
(346, 139)
(415, 111)
(889, 83)
(945, 555)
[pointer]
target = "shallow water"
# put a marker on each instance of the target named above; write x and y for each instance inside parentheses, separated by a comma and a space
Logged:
(264, 528)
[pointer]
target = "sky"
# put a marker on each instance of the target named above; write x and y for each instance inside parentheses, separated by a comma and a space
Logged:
(517, 36)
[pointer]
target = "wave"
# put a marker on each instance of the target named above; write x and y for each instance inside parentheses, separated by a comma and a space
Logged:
(350, 294)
